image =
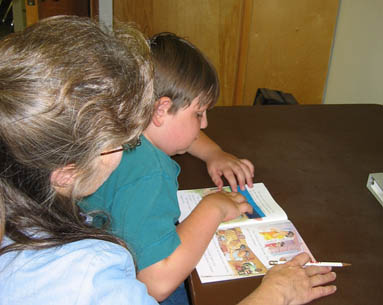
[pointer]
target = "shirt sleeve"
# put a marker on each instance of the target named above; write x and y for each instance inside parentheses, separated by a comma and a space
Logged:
(112, 279)
(144, 215)
(86, 272)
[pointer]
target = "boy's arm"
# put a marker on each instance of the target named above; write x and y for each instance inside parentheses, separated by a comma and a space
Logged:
(221, 163)
(195, 233)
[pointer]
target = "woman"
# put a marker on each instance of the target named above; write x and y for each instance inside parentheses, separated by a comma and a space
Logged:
(70, 96)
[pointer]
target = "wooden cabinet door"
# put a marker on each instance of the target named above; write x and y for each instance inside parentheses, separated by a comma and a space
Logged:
(289, 48)
(277, 44)
(213, 26)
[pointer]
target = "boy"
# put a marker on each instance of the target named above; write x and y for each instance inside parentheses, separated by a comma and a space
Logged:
(140, 195)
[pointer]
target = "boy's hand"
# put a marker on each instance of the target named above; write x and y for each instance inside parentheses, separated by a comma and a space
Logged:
(230, 204)
(236, 171)
(220, 163)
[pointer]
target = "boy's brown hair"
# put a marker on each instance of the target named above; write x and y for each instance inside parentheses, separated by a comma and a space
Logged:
(182, 72)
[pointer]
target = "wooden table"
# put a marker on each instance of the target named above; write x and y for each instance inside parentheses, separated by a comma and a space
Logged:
(314, 160)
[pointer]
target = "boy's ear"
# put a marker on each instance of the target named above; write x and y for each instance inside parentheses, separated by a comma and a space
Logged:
(62, 179)
(161, 108)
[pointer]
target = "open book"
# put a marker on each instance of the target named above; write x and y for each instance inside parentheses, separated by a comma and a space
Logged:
(243, 247)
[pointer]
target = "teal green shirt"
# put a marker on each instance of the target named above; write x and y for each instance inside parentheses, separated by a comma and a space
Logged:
(140, 197)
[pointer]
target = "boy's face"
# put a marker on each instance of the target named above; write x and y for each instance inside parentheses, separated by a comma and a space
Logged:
(183, 127)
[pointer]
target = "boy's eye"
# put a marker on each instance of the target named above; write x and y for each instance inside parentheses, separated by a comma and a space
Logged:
(199, 114)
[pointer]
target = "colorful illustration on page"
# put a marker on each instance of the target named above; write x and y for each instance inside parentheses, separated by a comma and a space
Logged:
(281, 241)
(239, 256)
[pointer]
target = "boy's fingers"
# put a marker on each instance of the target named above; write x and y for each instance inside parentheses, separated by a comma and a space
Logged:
(218, 181)
(249, 179)
(216, 178)
(247, 208)
(248, 170)
(244, 174)
(249, 165)
(237, 197)
(233, 185)
(244, 206)
(228, 174)
(237, 173)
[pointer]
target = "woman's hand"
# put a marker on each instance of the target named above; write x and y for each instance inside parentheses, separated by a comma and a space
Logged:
(293, 284)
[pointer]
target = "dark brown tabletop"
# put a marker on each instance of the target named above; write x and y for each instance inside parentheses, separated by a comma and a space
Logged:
(315, 161)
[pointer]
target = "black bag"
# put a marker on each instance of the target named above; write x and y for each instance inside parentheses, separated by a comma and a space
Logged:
(266, 96)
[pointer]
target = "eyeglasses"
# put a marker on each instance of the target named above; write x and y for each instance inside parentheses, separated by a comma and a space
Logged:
(125, 147)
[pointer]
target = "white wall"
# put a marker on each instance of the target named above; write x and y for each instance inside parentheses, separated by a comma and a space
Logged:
(19, 19)
(105, 8)
(356, 66)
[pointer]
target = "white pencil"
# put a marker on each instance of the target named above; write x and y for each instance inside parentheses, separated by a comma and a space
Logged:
(323, 264)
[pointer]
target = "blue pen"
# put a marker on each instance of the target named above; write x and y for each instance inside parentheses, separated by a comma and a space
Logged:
(257, 212)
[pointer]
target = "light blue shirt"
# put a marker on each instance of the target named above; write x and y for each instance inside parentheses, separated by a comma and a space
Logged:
(79, 273)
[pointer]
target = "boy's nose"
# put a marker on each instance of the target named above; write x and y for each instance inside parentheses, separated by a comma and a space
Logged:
(204, 121)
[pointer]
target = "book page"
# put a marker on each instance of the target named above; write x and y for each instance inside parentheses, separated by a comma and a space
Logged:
(265, 207)
(246, 251)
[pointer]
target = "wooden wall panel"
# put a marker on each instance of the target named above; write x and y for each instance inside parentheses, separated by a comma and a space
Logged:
(31, 12)
(289, 48)
(38, 9)
(213, 26)
(94, 9)
(276, 44)
(49, 8)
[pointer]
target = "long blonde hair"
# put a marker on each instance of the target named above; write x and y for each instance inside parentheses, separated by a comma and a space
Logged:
(68, 90)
